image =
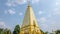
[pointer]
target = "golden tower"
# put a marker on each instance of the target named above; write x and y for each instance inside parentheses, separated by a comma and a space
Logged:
(30, 25)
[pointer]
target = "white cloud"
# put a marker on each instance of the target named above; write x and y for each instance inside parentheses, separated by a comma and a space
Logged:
(40, 12)
(35, 1)
(49, 16)
(2, 24)
(51, 21)
(10, 4)
(56, 7)
(44, 27)
(20, 13)
(51, 24)
(19, 2)
(43, 20)
(57, 3)
(56, 11)
(15, 2)
(54, 26)
(10, 11)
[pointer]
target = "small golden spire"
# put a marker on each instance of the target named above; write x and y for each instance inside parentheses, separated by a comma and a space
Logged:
(28, 2)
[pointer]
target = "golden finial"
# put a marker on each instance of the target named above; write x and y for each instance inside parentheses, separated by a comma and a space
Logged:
(28, 2)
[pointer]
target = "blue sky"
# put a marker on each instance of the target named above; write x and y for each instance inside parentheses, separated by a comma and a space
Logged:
(47, 13)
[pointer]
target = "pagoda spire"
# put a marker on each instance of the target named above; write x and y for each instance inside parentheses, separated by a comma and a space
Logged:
(30, 25)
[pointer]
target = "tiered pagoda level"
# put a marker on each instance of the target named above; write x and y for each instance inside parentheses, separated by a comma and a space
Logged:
(30, 25)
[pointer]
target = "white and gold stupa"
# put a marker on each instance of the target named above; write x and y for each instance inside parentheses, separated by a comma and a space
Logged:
(30, 25)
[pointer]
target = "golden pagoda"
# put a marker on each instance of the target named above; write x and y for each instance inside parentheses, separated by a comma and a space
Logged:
(30, 25)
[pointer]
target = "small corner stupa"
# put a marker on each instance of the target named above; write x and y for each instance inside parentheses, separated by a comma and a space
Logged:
(30, 25)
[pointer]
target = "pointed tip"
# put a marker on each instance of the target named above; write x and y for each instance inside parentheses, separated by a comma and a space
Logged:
(29, 3)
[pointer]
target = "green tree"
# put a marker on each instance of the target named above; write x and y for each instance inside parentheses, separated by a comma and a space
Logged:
(42, 32)
(1, 30)
(58, 32)
(5, 31)
(46, 33)
(16, 30)
(8, 32)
